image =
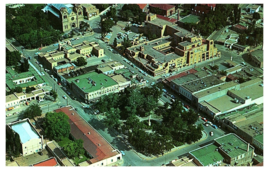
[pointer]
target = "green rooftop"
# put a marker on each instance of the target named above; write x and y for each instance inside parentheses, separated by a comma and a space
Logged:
(121, 71)
(12, 75)
(190, 19)
(259, 138)
(101, 80)
(232, 145)
(207, 155)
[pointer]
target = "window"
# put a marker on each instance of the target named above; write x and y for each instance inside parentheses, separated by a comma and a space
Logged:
(65, 16)
(102, 163)
(111, 160)
(79, 13)
(66, 26)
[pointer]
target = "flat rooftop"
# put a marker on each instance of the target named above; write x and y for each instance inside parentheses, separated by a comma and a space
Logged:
(101, 80)
(158, 55)
(11, 97)
(25, 131)
(12, 75)
(184, 79)
(224, 103)
(190, 19)
(216, 89)
(253, 92)
(259, 138)
(207, 155)
(232, 145)
(79, 71)
(253, 129)
(203, 83)
(258, 53)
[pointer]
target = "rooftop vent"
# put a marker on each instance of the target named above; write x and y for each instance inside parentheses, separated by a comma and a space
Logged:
(89, 133)
(99, 144)
(72, 113)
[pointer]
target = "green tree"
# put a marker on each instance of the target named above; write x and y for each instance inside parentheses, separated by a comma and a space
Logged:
(106, 25)
(18, 89)
(113, 118)
(54, 94)
(29, 89)
(12, 58)
(256, 15)
(111, 13)
(115, 19)
(127, 28)
(242, 39)
(74, 148)
(115, 42)
(32, 111)
(56, 125)
(80, 61)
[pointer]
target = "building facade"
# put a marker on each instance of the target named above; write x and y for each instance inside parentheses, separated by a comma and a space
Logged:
(65, 16)
(164, 9)
(31, 141)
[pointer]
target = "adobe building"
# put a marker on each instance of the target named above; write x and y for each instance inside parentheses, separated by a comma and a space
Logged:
(65, 16)
(67, 53)
(165, 9)
(31, 141)
(176, 48)
(90, 10)
(100, 151)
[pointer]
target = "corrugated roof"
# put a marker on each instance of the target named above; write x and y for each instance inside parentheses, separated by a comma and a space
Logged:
(25, 131)
(93, 143)
(162, 6)
(49, 162)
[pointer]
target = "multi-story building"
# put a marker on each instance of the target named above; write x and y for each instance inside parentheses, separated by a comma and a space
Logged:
(31, 141)
(67, 53)
(177, 49)
(89, 10)
(92, 85)
(65, 16)
(226, 150)
(101, 152)
(164, 9)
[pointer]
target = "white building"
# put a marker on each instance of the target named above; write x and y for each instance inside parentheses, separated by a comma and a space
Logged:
(31, 140)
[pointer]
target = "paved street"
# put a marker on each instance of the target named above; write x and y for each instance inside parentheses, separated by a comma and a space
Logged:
(131, 158)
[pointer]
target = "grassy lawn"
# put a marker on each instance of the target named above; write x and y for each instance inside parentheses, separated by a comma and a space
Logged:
(77, 160)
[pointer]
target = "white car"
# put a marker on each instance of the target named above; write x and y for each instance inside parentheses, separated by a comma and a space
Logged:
(211, 133)
(64, 97)
(43, 74)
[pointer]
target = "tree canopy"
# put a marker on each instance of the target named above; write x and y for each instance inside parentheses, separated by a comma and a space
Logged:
(80, 61)
(32, 111)
(56, 125)
(30, 26)
(12, 58)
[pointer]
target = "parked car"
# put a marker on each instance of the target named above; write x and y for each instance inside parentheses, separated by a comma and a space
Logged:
(122, 153)
(214, 126)
(64, 97)
(206, 124)
(204, 119)
(209, 123)
(211, 133)
(86, 107)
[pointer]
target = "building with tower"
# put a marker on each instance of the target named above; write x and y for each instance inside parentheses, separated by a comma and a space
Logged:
(65, 16)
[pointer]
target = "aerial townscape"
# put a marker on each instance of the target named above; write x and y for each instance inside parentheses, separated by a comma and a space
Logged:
(134, 85)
